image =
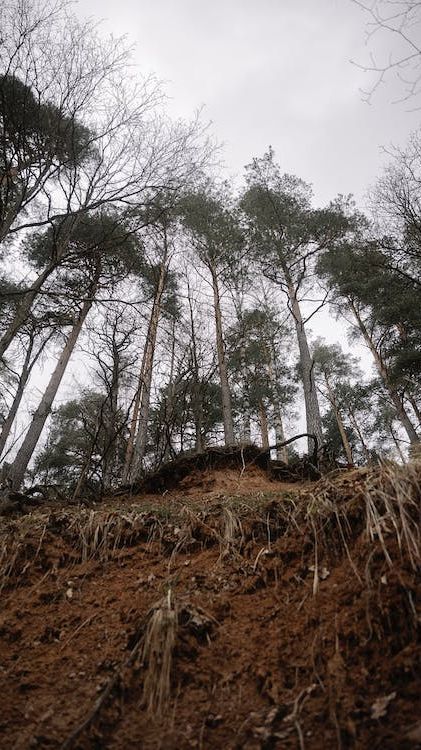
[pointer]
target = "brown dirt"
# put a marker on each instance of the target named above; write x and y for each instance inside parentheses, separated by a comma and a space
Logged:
(294, 612)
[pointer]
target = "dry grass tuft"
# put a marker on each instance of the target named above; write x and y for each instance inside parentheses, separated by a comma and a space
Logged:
(157, 653)
(378, 505)
(393, 505)
(9, 555)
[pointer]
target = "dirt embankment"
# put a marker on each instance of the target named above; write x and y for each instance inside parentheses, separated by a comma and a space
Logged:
(230, 612)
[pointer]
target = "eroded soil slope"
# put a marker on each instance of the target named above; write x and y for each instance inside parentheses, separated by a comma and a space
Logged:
(230, 612)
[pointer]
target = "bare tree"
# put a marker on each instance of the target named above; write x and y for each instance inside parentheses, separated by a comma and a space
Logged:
(400, 22)
(111, 143)
(112, 336)
(157, 276)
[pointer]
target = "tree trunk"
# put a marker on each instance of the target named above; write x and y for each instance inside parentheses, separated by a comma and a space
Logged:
(409, 428)
(222, 365)
(21, 315)
(136, 445)
(339, 421)
(397, 446)
(281, 453)
(416, 409)
(313, 419)
(357, 429)
(110, 447)
(245, 397)
(246, 427)
(29, 444)
(263, 425)
(145, 397)
(196, 396)
(403, 335)
(23, 379)
(25, 306)
(169, 406)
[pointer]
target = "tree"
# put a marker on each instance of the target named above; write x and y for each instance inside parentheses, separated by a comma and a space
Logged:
(258, 345)
(217, 240)
(287, 234)
(334, 368)
(173, 422)
(112, 336)
(357, 286)
(104, 251)
(34, 338)
(357, 402)
(160, 286)
(336, 439)
(395, 203)
(73, 455)
(385, 425)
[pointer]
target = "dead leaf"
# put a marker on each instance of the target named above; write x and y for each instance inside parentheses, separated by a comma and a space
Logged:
(379, 707)
(414, 734)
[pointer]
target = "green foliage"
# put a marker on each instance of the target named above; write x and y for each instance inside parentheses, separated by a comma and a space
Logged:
(258, 359)
(36, 131)
(285, 231)
(149, 278)
(173, 417)
(83, 239)
(333, 439)
(214, 228)
(78, 437)
(333, 364)
(361, 273)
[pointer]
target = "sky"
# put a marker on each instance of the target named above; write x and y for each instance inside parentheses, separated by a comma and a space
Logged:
(272, 72)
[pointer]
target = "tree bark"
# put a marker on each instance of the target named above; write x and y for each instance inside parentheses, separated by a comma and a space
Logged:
(111, 422)
(25, 306)
(281, 453)
(23, 379)
(166, 438)
(137, 443)
(222, 365)
(245, 399)
(313, 419)
(246, 428)
(357, 429)
(397, 446)
(23, 310)
(416, 408)
(339, 421)
(263, 425)
(197, 405)
(409, 428)
(29, 444)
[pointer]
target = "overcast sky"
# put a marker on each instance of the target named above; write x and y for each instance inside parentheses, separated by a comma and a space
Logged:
(272, 72)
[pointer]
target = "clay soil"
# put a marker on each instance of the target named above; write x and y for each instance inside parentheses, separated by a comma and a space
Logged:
(227, 612)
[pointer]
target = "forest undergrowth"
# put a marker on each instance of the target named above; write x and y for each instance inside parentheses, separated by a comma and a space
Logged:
(229, 611)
